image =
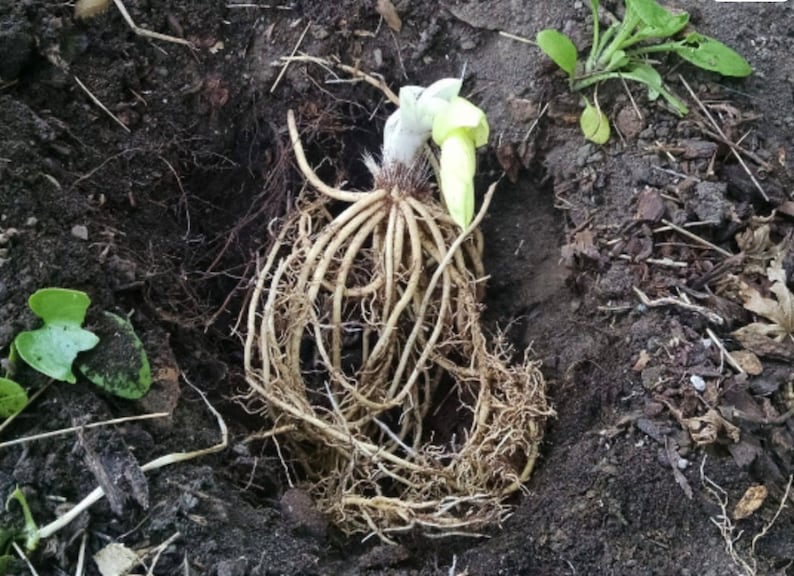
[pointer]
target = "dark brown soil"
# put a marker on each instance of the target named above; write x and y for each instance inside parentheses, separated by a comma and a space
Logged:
(164, 221)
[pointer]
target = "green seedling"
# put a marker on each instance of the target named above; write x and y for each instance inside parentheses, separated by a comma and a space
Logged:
(623, 49)
(30, 531)
(119, 366)
(53, 348)
(28, 534)
(13, 398)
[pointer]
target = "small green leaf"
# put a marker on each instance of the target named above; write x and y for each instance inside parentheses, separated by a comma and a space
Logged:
(52, 348)
(559, 48)
(31, 530)
(458, 164)
(617, 60)
(6, 562)
(659, 23)
(647, 74)
(594, 124)
(13, 398)
(120, 366)
(713, 55)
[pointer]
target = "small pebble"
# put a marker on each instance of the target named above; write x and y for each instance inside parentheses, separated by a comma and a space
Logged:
(697, 382)
(80, 231)
(302, 514)
(31, 222)
(468, 44)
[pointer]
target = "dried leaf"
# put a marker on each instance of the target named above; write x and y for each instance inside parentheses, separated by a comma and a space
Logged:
(779, 311)
(752, 500)
(756, 338)
(710, 428)
(754, 241)
(386, 9)
(582, 244)
(757, 246)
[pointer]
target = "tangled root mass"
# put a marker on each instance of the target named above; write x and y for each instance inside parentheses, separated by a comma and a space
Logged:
(365, 344)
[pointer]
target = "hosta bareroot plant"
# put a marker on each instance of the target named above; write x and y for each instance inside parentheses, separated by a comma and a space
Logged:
(365, 348)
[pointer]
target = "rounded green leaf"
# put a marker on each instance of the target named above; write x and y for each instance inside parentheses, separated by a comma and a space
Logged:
(658, 21)
(458, 163)
(52, 348)
(60, 304)
(594, 124)
(461, 114)
(13, 398)
(713, 55)
(559, 48)
(120, 366)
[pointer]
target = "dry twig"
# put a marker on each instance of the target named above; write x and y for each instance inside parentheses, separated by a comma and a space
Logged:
(63, 431)
(712, 317)
(735, 149)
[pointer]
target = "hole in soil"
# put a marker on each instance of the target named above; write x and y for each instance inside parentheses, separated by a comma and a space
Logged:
(526, 294)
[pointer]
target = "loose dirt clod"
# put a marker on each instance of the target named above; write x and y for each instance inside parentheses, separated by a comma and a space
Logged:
(364, 341)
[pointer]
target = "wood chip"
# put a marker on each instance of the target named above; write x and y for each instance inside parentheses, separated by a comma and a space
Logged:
(642, 361)
(749, 362)
(752, 500)
(389, 13)
(650, 206)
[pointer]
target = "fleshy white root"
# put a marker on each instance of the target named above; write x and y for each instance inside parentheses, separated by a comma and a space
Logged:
(364, 341)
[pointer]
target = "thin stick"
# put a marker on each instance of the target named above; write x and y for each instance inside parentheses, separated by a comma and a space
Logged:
(712, 317)
(63, 431)
(734, 148)
(159, 551)
(731, 360)
(80, 569)
(24, 557)
(517, 38)
(535, 122)
(173, 458)
(101, 106)
(148, 33)
(696, 238)
(631, 97)
(287, 61)
(355, 72)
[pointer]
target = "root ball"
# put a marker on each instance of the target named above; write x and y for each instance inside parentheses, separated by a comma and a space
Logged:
(365, 343)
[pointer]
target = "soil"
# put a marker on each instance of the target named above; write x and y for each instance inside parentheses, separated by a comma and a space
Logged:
(163, 214)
